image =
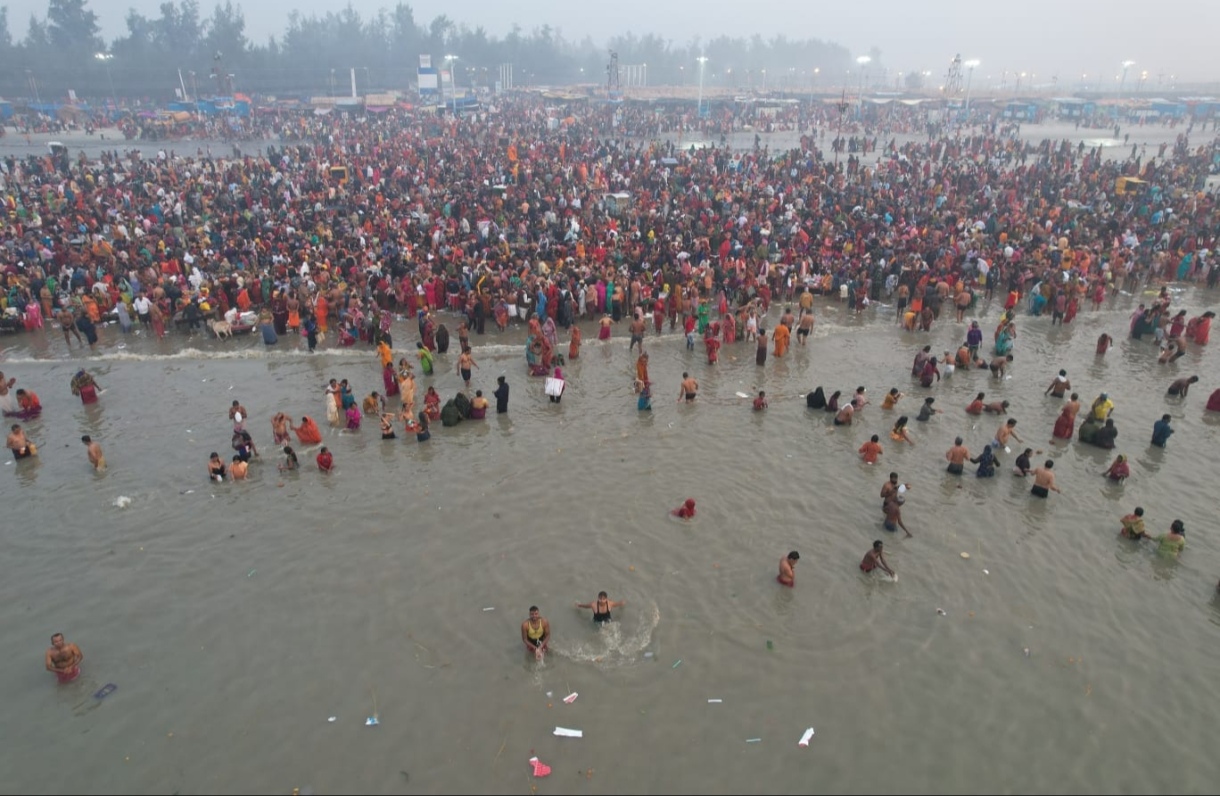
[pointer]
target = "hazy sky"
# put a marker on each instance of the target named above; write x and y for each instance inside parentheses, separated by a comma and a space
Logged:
(1046, 37)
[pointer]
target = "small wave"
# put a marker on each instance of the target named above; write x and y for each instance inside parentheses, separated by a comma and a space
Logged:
(617, 643)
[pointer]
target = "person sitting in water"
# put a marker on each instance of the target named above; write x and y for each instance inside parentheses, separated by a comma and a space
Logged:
(875, 559)
(1133, 525)
(290, 460)
(238, 469)
(29, 403)
(478, 406)
(976, 406)
(899, 432)
(686, 511)
(1172, 543)
(216, 468)
(373, 404)
(326, 461)
(84, 386)
(1119, 470)
(1213, 401)
(601, 607)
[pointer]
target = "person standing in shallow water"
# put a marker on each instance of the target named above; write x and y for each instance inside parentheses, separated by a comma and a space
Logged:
(501, 395)
(787, 569)
(601, 607)
(64, 659)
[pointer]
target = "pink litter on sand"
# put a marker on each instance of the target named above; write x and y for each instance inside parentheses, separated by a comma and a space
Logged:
(541, 769)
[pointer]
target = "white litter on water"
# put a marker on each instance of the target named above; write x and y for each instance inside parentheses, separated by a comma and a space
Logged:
(804, 741)
(122, 501)
(564, 732)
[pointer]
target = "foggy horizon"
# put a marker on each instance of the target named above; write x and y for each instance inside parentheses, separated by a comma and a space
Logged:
(1066, 45)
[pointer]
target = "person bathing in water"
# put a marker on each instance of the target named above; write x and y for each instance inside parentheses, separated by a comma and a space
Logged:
(536, 633)
(601, 607)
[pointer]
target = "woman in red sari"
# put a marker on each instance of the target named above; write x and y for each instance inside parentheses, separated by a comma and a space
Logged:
(1066, 424)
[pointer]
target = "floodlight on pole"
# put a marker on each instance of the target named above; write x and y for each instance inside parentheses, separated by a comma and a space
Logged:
(449, 59)
(971, 64)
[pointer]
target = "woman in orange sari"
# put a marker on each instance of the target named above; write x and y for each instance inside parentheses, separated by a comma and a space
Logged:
(322, 309)
(574, 345)
(781, 335)
(91, 308)
(308, 432)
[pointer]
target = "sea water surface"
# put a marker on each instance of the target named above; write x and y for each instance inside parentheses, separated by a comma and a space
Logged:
(236, 619)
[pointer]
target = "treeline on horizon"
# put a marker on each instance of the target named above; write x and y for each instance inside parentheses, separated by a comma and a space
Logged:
(314, 55)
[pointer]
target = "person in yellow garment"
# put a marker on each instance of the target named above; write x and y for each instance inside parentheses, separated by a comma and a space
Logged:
(536, 633)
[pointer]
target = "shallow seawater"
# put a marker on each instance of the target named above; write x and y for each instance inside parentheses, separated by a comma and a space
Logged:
(236, 618)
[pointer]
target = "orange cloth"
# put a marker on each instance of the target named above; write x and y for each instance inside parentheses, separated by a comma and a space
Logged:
(322, 310)
(781, 336)
(308, 432)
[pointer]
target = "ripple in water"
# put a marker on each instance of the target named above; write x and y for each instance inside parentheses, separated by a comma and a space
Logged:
(618, 643)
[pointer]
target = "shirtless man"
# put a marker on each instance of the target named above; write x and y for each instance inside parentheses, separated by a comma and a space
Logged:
(1059, 386)
(464, 364)
(893, 514)
(892, 487)
(238, 414)
(996, 408)
(96, 457)
(67, 323)
(804, 327)
(1003, 433)
(999, 365)
(280, 427)
(64, 659)
(637, 328)
(845, 415)
(1181, 386)
(536, 633)
(689, 389)
(19, 444)
(875, 558)
(957, 456)
(1044, 480)
(787, 569)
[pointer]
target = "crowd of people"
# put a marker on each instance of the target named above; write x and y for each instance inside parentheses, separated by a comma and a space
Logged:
(499, 219)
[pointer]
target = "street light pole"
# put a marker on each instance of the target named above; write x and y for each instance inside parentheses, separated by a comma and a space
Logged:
(1126, 65)
(969, 79)
(839, 133)
(105, 59)
(702, 59)
(863, 62)
(452, 80)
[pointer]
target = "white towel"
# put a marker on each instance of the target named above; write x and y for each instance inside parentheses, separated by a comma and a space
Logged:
(564, 732)
(804, 741)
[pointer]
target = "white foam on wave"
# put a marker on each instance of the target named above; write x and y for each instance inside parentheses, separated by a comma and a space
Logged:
(617, 643)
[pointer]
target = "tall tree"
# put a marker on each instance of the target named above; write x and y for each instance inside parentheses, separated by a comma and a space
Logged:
(73, 29)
